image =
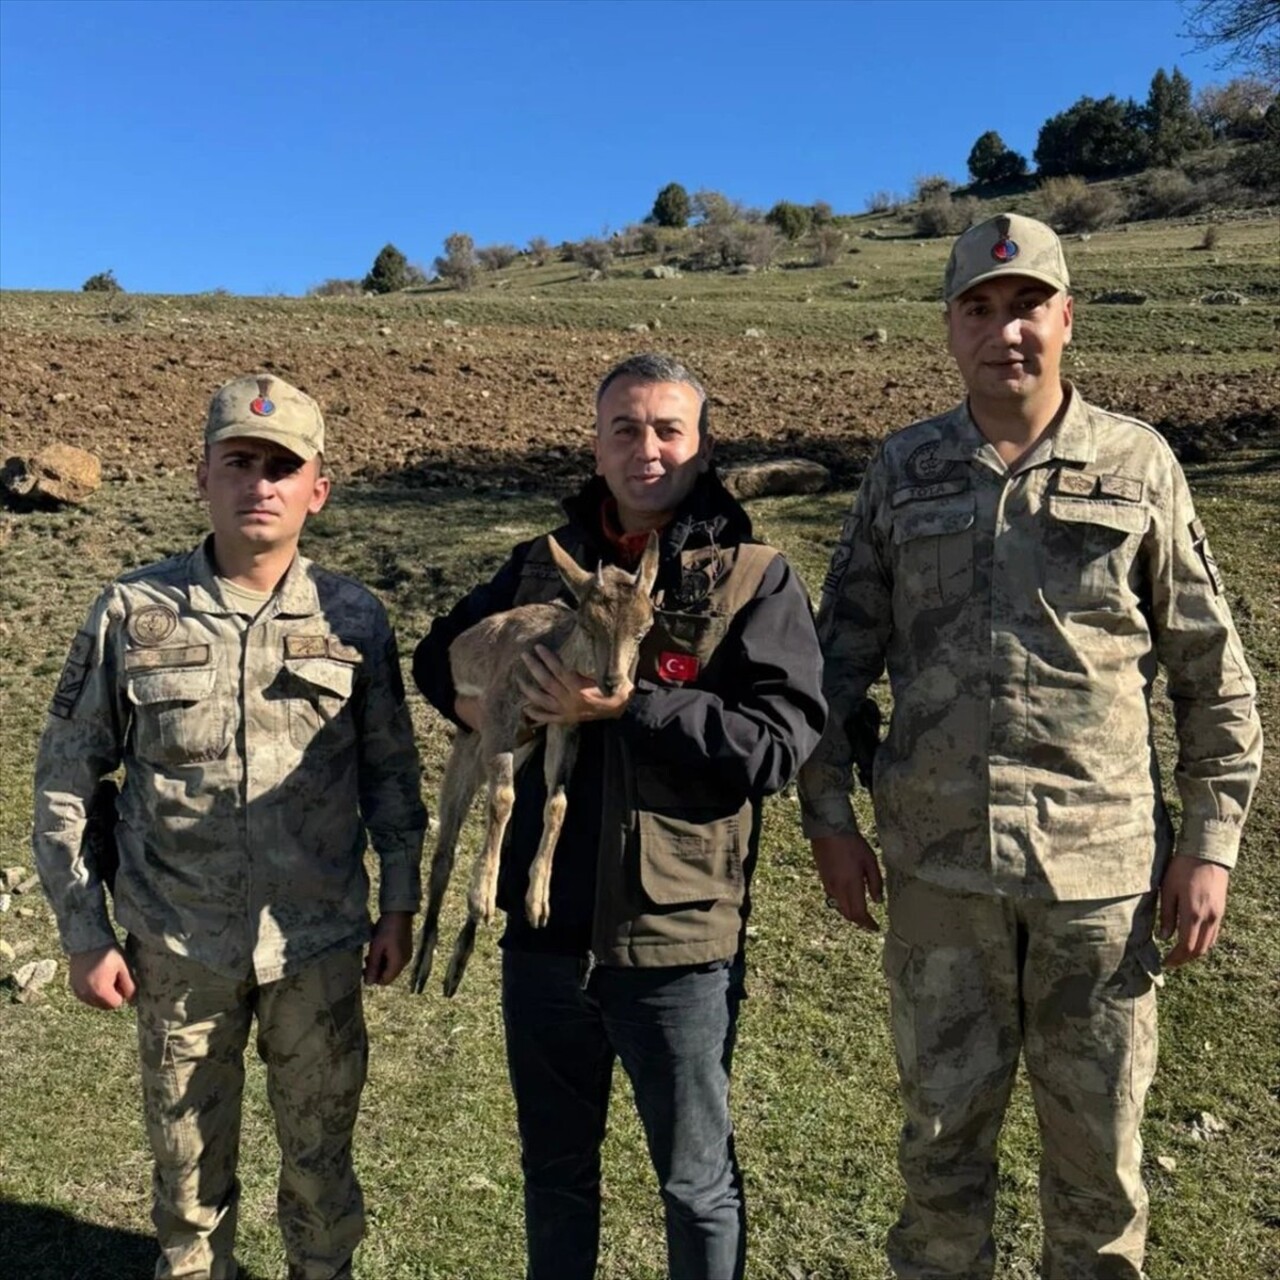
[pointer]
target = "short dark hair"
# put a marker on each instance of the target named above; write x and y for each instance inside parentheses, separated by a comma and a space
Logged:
(655, 366)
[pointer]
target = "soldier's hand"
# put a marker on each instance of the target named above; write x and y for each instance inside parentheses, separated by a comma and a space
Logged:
(101, 978)
(1193, 900)
(390, 948)
(850, 875)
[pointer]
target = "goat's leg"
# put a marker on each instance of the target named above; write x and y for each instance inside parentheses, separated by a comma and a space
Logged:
(458, 787)
(562, 750)
(481, 902)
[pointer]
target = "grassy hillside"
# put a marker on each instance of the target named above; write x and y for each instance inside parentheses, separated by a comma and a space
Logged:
(456, 420)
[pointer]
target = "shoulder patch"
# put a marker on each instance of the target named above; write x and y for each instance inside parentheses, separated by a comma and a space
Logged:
(923, 466)
(74, 673)
(151, 625)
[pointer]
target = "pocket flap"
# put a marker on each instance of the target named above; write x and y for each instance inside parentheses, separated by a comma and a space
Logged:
(1128, 517)
(333, 677)
(932, 522)
(685, 862)
(190, 684)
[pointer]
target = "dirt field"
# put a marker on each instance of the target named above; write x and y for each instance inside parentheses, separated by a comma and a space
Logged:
(510, 408)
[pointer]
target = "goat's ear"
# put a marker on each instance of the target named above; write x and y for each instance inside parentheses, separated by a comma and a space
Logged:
(576, 578)
(647, 574)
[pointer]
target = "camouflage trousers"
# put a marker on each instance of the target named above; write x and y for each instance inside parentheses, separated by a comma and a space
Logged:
(193, 1027)
(975, 982)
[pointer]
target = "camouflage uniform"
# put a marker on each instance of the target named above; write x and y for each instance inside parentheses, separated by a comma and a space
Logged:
(261, 754)
(1022, 615)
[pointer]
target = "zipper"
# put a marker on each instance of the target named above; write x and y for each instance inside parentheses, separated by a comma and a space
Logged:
(588, 968)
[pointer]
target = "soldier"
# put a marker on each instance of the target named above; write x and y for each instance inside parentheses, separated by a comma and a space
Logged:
(1022, 564)
(256, 705)
(642, 958)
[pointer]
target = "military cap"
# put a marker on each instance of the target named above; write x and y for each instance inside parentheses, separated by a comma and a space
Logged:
(266, 408)
(1007, 245)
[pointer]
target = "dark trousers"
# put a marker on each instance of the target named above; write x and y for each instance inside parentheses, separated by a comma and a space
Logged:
(673, 1031)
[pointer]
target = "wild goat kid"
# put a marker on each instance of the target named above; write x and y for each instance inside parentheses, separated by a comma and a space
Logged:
(601, 641)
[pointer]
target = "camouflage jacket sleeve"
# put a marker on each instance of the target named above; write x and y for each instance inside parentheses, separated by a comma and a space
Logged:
(83, 741)
(1209, 681)
(390, 778)
(854, 625)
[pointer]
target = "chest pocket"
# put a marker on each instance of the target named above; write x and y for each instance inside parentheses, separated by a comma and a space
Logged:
(319, 696)
(176, 721)
(1089, 548)
(688, 638)
(933, 551)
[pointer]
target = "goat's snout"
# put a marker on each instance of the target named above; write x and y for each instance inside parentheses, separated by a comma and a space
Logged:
(609, 685)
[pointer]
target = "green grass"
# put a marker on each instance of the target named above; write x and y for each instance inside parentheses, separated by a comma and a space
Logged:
(814, 1082)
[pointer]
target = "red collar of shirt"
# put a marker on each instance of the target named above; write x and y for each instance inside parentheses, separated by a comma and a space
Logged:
(629, 546)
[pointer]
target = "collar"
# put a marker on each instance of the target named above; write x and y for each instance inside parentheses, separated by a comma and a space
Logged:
(1070, 440)
(295, 596)
(629, 547)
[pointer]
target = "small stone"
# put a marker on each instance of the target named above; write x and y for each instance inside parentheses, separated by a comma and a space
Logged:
(1205, 1126)
(30, 884)
(877, 337)
(450, 324)
(385, 331)
(31, 977)
(7, 952)
(753, 333)
(100, 410)
(1167, 1163)
(5, 901)
(61, 397)
(638, 328)
(1120, 297)
(1224, 298)
(24, 913)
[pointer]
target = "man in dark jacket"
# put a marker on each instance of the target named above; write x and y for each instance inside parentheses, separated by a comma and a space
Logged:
(642, 957)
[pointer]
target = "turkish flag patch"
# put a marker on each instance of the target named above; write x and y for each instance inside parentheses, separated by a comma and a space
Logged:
(678, 668)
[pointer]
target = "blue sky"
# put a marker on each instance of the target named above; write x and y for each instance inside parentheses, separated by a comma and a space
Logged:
(262, 147)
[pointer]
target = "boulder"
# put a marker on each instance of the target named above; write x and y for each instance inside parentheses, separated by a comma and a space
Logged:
(59, 473)
(779, 477)
(662, 272)
(1224, 298)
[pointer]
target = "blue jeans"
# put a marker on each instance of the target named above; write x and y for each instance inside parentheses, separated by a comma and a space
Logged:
(673, 1031)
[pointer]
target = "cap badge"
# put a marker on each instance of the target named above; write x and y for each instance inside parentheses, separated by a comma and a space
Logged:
(262, 406)
(1004, 250)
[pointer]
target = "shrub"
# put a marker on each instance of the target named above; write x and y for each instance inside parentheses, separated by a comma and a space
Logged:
(828, 244)
(931, 186)
(1069, 204)
(648, 240)
(594, 254)
(457, 266)
(335, 288)
(753, 245)
(942, 216)
(1165, 193)
(102, 282)
(713, 208)
(497, 257)
(540, 251)
(671, 207)
(990, 161)
(821, 213)
(883, 202)
(1210, 238)
(389, 271)
(791, 219)
(1258, 164)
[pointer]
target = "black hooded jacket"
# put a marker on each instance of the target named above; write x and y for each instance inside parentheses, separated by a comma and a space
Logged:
(654, 861)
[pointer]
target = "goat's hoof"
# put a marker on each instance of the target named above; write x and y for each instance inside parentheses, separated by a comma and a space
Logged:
(453, 979)
(537, 914)
(422, 965)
